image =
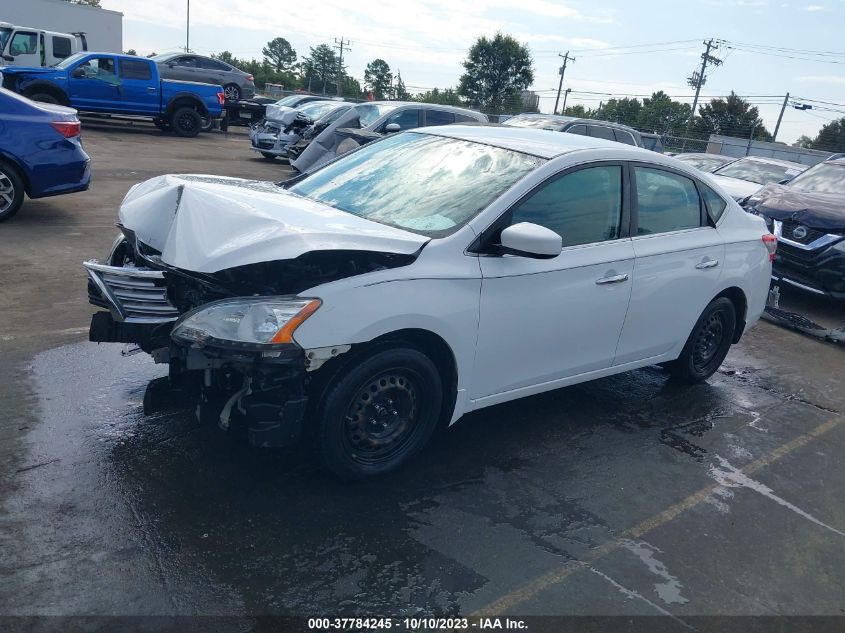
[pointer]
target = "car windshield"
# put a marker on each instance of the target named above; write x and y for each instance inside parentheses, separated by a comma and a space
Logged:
(367, 114)
(317, 109)
(823, 178)
(757, 171)
(68, 61)
(289, 101)
(425, 184)
(542, 122)
(163, 57)
(4, 36)
(704, 163)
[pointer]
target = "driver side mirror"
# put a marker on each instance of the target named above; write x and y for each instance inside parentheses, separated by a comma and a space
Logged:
(390, 128)
(531, 240)
(8, 58)
(78, 72)
(785, 180)
(171, 64)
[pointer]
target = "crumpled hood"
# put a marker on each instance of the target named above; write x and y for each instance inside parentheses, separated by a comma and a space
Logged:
(736, 188)
(816, 210)
(280, 114)
(210, 223)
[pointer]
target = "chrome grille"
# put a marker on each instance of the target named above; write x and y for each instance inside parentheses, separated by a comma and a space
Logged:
(807, 236)
(132, 295)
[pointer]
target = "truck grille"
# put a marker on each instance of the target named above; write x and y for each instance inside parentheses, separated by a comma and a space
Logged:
(132, 295)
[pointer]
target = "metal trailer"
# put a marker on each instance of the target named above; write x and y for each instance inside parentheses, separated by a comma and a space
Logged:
(103, 28)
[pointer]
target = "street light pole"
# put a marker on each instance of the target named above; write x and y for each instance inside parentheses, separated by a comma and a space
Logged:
(565, 95)
(188, 29)
(566, 58)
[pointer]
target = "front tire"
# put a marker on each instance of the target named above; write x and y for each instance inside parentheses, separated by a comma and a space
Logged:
(186, 122)
(375, 415)
(268, 156)
(11, 191)
(44, 97)
(708, 344)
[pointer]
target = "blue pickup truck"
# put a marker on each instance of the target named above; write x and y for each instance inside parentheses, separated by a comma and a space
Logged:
(120, 84)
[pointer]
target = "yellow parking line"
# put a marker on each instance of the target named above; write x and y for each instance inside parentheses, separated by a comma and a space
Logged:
(508, 601)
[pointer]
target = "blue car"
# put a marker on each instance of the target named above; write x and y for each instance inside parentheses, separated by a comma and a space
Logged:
(40, 152)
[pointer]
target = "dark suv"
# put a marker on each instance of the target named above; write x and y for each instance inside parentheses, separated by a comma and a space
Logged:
(808, 217)
(585, 127)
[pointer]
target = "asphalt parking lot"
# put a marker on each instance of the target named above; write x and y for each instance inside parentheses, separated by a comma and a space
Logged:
(630, 495)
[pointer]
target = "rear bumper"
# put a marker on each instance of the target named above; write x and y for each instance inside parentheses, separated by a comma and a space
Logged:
(68, 171)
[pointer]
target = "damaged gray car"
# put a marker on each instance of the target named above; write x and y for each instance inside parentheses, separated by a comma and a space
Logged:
(283, 126)
(366, 122)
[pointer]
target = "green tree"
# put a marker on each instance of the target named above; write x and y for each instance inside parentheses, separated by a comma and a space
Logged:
(662, 115)
(279, 54)
(496, 70)
(579, 111)
(732, 116)
(131, 51)
(441, 97)
(831, 137)
(378, 78)
(400, 93)
(625, 110)
(803, 141)
(320, 68)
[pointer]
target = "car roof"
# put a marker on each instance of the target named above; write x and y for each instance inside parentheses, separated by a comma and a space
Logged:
(420, 104)
(705, 155)
(537, 142)
(771, 161)
(563, 119)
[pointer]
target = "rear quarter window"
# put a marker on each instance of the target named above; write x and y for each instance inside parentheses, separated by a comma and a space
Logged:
(713, 202)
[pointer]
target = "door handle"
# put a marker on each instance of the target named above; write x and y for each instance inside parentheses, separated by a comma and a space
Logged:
(710, 263)
(614, 279)
(151, 89)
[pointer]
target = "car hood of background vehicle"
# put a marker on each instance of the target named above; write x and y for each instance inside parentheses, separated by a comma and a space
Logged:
(210, 223)
(280, 114)
(816, 210)
(736, 188)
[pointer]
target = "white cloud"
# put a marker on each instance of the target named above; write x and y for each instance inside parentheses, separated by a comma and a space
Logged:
(814, 7)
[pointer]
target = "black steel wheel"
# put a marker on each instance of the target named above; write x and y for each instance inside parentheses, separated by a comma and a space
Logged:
(11, 191)
(708, 344)
(232, 92)
(378, 412)
(186, 122)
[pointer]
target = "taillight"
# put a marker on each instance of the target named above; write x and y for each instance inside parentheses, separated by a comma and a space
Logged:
(771, 244)
(221, 98)
(68, 129)
(250, 78)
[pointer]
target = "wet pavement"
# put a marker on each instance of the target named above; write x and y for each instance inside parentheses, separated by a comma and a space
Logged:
(630, 495)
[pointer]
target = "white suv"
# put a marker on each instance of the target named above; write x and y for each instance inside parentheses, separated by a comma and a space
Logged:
(426, 275)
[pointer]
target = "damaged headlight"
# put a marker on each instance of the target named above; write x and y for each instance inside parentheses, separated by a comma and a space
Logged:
(247, 323)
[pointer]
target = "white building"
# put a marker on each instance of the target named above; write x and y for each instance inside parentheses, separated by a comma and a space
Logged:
(103, 28)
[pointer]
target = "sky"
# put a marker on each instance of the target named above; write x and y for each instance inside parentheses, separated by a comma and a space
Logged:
(769, 47)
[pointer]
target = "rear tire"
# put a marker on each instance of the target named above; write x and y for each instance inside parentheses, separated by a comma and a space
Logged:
(11, 191)
(708, 343)
(232, 92)
(268, 156)
(186, 122)
(375, 414)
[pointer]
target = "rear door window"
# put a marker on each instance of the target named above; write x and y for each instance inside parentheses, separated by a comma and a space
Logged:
(135, 69)
(212, 64)
(666, 201)
(600, 131)
(439, 117)
(624, 137)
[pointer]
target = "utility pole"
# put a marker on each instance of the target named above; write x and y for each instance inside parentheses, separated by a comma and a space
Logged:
(565, 95)
(566, 58)
(188, 29)
(780, 116)
(697, 79)
(341, 44)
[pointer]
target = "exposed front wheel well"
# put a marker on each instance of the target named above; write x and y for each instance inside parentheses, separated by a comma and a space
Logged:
(47, 93)
(425, 341)
(737, 297)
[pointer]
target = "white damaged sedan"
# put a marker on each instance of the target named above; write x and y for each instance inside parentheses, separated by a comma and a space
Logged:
(423, 276)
